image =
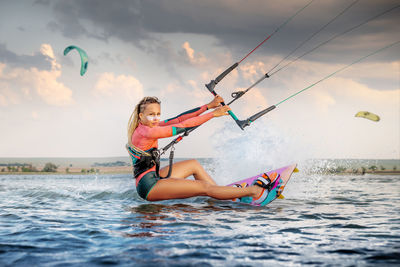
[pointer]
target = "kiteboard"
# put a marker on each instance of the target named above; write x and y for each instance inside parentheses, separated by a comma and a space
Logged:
(278, 178)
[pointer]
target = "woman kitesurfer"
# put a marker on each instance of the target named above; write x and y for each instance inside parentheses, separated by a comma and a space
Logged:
(144, 130)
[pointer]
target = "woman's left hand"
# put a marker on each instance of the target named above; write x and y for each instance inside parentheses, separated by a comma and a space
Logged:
(216, 102)
(221, 111)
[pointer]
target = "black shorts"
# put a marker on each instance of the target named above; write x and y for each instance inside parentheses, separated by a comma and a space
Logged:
(146, 183)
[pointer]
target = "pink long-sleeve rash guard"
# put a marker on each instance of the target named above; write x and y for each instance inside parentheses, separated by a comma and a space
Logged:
(145, 137)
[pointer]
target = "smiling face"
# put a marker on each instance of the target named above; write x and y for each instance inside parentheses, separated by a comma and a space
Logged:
(150, 115)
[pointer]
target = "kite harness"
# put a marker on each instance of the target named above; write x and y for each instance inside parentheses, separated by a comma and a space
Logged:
(149, 159)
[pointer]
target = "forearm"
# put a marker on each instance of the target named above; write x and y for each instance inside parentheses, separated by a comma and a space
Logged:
(190, 123)
(174, 129)
(185, 116)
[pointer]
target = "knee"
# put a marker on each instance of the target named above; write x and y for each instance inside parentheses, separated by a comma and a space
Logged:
(196, 164)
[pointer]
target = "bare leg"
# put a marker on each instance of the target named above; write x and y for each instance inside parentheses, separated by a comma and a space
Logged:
(173, 188)
(184, 169)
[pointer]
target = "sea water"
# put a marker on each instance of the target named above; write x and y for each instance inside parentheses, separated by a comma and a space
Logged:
(92, 220)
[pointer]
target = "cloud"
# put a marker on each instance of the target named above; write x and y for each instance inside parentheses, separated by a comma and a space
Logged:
(323, 100)
(121, 86)
(362, 94)
(100, 20)
(341, 90)
(189, 89)
(235, 25)
(381, 76)
(37, 60)
(253, 71)
(49, 89)
(7, 95)
(31, 80)
(47, 50)
(192, 57)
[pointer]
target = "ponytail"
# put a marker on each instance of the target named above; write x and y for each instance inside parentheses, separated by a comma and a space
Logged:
(134, 119)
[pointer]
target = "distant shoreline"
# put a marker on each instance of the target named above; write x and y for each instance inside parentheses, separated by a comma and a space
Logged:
(76, 171)
(123, 165)
(128, 170)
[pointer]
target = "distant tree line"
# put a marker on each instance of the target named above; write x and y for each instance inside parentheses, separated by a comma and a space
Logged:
(92, 170)
(14, 164)
(49, 167)
(27, 167)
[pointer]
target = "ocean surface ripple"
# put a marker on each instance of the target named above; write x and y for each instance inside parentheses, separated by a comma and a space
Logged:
(91, 220)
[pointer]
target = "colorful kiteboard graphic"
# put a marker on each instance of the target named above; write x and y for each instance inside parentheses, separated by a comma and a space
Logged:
(278, 178)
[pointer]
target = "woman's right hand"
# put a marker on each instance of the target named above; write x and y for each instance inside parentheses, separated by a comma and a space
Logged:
(216, 102)
(221, 111)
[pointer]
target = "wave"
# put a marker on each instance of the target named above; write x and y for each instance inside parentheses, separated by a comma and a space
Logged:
(84, 195)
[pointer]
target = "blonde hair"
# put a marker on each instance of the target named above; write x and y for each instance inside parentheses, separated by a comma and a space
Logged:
(134, 119)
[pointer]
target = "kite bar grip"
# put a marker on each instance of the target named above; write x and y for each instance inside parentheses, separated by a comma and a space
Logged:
(210, 86)
(228, 70)
(244, 123)
(261, 113)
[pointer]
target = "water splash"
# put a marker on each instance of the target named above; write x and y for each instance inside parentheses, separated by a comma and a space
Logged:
(263, 146)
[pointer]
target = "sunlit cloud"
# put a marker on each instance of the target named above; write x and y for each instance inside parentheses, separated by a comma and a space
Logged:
(8, 97)
(47, 50)
(45, 83)
(192, 57)
(252, 71)
(49, 89)
(122, 86)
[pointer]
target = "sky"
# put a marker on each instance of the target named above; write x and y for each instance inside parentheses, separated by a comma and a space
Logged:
(170, 49)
